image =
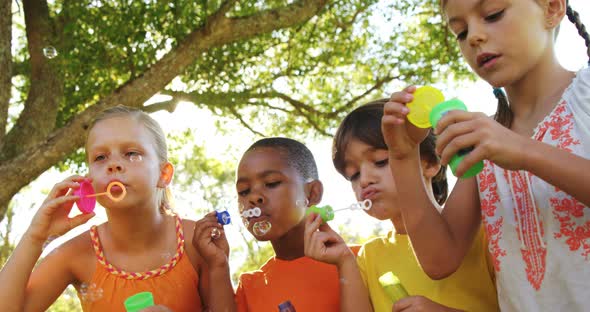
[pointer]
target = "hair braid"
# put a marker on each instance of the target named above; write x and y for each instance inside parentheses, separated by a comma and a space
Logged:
(574, 17)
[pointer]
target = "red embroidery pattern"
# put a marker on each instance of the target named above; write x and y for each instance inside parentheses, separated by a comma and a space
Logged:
(533, 253)
(489, 198)
(560, 126)
(566, 209)
(576, 235)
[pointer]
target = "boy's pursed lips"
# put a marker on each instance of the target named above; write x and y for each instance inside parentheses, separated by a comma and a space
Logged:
(369, 193)
(252, 220)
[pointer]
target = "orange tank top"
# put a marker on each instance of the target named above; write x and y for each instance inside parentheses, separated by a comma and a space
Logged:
(175, 284)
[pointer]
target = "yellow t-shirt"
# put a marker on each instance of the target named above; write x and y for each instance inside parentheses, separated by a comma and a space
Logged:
(470, 288)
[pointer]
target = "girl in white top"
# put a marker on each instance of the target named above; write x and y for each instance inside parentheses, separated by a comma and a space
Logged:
(533, 194)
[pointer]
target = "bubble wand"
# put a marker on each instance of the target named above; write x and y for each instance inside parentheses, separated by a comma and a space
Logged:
(87, 200)
(327, 212)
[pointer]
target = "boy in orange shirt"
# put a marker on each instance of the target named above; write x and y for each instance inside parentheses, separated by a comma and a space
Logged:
(278, 178)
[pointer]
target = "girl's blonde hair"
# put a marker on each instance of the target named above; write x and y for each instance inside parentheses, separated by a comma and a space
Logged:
(164, 196)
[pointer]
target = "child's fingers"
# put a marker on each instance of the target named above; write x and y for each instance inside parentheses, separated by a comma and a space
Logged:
(62, 188)
(80, 219)
(404, 96)
(209, 217)
(391, 120)
(476, 155)
(203, 229)
(333, 236)
(394, 113)
(462, 124)
(312, 224)
(402, 304)
(454, 117)
(460, 143)
(53, 204)
(314, 245)
(410, 88)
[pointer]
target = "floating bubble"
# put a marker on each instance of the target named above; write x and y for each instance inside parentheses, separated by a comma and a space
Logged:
(260, 228)
(302, 203)
(90, 293)
(166, 255)
(49, 52)
(215, 233)
(246, 222)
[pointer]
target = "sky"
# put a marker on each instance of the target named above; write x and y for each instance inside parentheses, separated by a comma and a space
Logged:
(337, 192)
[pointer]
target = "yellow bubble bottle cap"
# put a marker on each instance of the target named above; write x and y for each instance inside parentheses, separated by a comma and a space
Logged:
(425, 98)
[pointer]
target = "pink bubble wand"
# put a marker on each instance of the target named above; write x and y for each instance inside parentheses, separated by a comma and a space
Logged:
(87, 200)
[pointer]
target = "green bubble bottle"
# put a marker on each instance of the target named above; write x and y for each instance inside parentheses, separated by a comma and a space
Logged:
(392, 286)
(139, 301)
(326, 212)
(427, 108)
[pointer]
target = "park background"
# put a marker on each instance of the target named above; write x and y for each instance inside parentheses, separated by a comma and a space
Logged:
(217, 75)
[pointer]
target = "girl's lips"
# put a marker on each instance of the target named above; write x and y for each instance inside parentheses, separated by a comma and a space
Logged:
(369, 194)
(487, 60)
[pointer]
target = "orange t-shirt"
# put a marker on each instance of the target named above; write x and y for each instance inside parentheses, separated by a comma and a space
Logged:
(175, 284)
(309, 285)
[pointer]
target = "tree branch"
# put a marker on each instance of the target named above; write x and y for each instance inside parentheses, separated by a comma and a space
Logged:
(234, 112)
(224, 100)
(169, 106)
(5, 63)
(378, 84)
(24, 167)
(38, 117)
(302, 108)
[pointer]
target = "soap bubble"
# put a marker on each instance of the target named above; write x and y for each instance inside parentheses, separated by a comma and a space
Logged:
(215, 233)
(260, 228)
(90, 292)
(49, 52)
(302, 203)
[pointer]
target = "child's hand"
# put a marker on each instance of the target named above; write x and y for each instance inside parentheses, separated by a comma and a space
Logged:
(400, 135)
(419, 304)
(214, 251)
(52, 217)
(490, 140)
(322, 243)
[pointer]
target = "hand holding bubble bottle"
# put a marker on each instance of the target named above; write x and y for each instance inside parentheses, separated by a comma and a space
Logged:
(427, 108)
(327, 212)
(223, 218)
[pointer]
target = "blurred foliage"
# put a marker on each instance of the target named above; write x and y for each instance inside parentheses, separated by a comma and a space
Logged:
(6, 243)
